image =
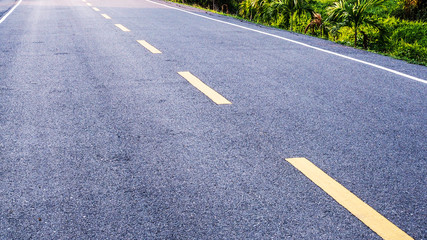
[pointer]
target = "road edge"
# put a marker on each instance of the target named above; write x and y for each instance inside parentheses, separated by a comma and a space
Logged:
(9, 10)
(178, 7)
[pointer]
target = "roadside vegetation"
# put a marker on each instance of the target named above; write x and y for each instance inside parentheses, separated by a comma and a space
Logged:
(397, 28)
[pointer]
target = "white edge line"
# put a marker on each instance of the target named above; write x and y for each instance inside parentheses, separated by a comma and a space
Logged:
(10, 11)
(300, 43)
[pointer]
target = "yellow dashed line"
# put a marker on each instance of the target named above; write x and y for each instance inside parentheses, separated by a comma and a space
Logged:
(105, 16)
(375, 221)
(148, 46)
(89, 4)
(96, 9)
(123, 28)
(214, 96)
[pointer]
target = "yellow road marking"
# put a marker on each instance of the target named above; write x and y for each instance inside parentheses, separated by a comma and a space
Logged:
(123, 28)
(214, 96)
(96, 9)
(148, 46)
(375, 221)
(89, 4)
(84, 0)
(106, 16)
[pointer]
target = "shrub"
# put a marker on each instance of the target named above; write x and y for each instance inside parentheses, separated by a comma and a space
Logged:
(415, 10)
(411, 32)
(408, 51)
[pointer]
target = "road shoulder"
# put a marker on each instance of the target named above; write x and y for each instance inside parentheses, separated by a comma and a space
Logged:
(5, 6)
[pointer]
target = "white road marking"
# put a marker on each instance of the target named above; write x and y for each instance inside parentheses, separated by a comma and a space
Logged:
(300, 43)
(10, 11)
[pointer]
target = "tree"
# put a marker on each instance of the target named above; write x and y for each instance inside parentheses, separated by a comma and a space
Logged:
(353, 14)
(256, 10)
(249, 8)
(291, 9)
(413, 10)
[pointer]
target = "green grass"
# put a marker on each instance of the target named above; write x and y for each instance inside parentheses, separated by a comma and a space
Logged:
(326, 1)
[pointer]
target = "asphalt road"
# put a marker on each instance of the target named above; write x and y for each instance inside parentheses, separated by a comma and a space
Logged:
(5, 5)
(102, 139)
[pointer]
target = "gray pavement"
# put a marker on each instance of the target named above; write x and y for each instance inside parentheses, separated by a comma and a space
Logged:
(5, 5)
(101, 139)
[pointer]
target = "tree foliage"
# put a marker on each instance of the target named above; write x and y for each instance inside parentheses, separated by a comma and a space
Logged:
(291, 9)
(353, 14)
(412, 10)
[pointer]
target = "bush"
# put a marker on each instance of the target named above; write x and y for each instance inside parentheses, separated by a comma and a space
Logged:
(227, 6)
(408, 51)
(411, 10)
(411, 32)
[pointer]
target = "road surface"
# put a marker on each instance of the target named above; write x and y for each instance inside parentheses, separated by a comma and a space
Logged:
(102, 139)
